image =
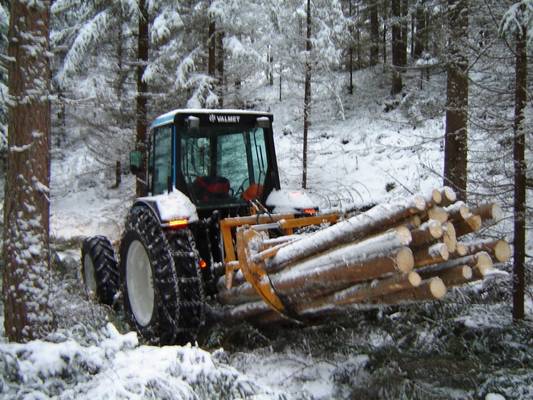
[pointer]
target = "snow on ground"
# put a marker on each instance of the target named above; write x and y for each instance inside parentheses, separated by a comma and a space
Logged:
(117, 367)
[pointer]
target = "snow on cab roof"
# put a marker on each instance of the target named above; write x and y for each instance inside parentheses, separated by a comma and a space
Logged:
(169, 116)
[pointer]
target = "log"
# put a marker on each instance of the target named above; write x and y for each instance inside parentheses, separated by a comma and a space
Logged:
(431, 289)
(458, 211)
(498, 249)
(449, 236)
(428, 232)
(266, 244)
(433, 198)
(448, 196)
(454, 276)
(334, 270)
(489, 212)
(469, 225)
(358, 227)
(437, 213)
(481, 259)
(460, 251)
(365, 293)
(433, 254)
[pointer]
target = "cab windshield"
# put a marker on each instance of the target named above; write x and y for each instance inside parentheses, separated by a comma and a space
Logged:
(224, 165)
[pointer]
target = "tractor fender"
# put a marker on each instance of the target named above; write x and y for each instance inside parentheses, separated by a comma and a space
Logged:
(291, 201)
(169, 206)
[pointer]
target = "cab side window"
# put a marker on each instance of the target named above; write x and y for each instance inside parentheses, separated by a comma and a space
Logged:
(162, 159)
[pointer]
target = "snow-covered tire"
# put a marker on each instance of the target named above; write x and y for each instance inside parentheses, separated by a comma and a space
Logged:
(99, 269)
(163, 293)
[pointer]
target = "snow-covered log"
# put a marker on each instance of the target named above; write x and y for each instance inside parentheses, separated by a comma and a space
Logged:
(428, 232)
(373, 221)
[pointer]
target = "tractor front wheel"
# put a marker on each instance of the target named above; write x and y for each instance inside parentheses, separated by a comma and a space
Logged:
(155, 300)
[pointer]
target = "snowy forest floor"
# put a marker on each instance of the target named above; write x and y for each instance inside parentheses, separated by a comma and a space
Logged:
(465, 347)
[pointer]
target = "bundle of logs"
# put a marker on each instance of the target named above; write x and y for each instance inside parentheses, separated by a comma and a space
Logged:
(409, 250)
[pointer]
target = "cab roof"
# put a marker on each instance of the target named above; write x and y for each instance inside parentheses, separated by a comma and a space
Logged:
(169, 116)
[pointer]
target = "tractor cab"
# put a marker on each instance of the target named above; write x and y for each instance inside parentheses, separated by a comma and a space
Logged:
(220, 159)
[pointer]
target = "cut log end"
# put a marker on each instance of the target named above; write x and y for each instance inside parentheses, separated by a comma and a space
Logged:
(448, 195)
(419, 203)
(437, 288)
(483, 260)
(414, 279)
(438, 213)
(466, 272)
(404, 234)
(449, 236)
(435, 228)
(502, 251)
(461, 250)
(405, 261)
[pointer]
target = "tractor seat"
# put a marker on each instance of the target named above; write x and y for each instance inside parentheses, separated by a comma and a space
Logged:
(211, 188)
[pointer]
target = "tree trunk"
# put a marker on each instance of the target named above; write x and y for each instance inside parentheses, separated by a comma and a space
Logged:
(27, 206)
(456, 146)
(220, 67)
(350, 50)
(374, 33)
(142, 90)
(405, 30)
(397, 43)
(211, 40)
(421, 31)
(519, 241)
(307, 93)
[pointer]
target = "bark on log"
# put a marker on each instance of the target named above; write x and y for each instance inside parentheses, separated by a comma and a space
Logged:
(469, 225)
(433, 254)
(499, 250)
(428, 232)
(458, 211)
(481, 259)
(489, 212)
(332, 271)
(454, 276)
(358, 227)
(431, 289)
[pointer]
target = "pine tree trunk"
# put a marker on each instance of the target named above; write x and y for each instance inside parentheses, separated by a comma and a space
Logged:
(350, 50)
(397, 43)
(27, 206)
(142, 91)
(456, 146)
(374, 33)
(519, 175)
(405, 30)
(307, 93)
(220, 67)
(211, 40)
(421, 31)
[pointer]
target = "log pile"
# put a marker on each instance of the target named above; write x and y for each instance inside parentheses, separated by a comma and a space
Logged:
(409, 250)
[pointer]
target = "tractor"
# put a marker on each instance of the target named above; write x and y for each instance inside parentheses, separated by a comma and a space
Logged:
(214, 238)
(203, 167)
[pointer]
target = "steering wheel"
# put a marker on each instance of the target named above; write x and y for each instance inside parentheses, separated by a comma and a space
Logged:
(240, 189)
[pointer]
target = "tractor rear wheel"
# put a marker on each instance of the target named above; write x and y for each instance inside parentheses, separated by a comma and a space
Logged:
(99, 269)
(163, 293)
